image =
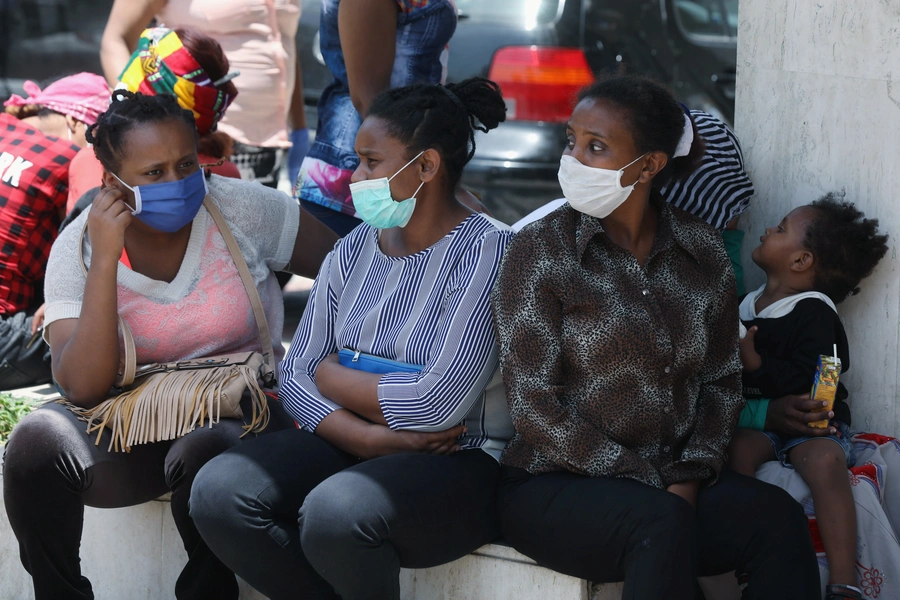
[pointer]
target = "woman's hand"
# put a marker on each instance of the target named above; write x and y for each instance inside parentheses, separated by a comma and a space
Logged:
(750, 358)
(107, 221)
(37, 321)
(791, 415)
(382, 440)
(687, 490)
(367, 440)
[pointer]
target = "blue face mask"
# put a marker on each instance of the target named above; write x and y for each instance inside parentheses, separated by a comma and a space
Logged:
(375, 205)
(171, 205)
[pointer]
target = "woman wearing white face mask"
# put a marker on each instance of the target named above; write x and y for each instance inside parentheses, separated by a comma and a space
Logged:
(616, 317)
(391, 376)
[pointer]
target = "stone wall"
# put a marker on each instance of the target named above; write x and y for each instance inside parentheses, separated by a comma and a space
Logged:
(818, 110)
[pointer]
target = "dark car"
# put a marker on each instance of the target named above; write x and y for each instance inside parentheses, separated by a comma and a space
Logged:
(45, 39)
(542, 51)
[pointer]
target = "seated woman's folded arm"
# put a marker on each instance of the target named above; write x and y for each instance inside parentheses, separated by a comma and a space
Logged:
(463, 360)
(312, 343)
(720, 400)
(528, 317)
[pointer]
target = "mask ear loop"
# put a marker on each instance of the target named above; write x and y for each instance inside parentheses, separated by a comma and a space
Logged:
(406, 165)
(137, 196)
(416, 193)
(622, 171)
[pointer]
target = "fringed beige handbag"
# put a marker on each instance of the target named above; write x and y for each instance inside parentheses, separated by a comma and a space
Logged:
(165, 401)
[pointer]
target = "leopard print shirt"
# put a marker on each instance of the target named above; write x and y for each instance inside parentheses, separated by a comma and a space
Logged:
(613, 369)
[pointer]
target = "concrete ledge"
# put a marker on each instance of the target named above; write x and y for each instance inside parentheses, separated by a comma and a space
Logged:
(136, 553)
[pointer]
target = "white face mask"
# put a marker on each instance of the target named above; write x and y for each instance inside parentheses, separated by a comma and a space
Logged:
(591, 190)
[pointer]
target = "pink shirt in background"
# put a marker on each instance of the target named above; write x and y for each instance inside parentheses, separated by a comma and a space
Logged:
(258, 39)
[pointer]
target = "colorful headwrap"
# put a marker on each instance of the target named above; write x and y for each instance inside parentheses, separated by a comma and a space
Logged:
(162, 65)
(83, 96)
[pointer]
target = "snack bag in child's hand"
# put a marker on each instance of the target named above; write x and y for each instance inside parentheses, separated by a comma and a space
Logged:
(825, 384)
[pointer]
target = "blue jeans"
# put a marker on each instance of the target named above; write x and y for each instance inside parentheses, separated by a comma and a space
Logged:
(421, 39)
(783, 444)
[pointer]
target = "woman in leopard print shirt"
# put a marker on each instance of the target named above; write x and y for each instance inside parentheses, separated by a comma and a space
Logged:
(617, 322)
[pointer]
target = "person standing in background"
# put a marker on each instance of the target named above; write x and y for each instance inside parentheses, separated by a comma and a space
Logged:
(258, 37)
(39, 136)
(369, 46)
(719, 190)
(184, 63)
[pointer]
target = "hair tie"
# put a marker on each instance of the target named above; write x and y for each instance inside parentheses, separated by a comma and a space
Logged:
(453, 97)
(687, 138)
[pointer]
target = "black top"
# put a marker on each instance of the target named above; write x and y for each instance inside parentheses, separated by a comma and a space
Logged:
(790, 347)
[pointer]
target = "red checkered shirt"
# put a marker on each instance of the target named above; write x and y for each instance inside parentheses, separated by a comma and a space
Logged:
(34, 180)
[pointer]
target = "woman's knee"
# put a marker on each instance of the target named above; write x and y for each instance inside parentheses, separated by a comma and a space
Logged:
(669, 521)
(216, 490)
(190, 453)
(39, 444)
(342, 510)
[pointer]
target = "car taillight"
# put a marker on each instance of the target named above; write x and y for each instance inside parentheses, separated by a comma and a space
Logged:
(540, 83)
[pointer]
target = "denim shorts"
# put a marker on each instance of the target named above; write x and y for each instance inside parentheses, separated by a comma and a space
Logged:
(419, 57)
(782, 444)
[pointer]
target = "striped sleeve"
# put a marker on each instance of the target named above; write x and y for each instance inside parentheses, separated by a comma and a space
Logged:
(719, 190)
(463, 357)
(313, 341)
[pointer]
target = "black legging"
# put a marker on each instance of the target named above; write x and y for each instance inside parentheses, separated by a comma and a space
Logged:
(605, 529)
(52, 470)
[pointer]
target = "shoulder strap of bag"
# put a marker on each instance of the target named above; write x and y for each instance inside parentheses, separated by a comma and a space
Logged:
(247, 279)
(127, 377)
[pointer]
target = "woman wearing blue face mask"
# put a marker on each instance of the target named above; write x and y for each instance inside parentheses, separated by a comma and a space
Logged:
(392, 376)
(617, 321)
(155, 257)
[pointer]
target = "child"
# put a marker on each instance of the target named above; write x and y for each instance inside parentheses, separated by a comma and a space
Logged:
(813, 260)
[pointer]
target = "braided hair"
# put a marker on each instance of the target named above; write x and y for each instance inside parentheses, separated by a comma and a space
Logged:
(846, 246)
(655, 121)
(127, 111)
(423, 116)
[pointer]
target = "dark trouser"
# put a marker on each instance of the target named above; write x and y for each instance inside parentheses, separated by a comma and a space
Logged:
(258, 163)
(338, 222)
(52, 470)
(359, 522)
(604, 530)
(20, 366)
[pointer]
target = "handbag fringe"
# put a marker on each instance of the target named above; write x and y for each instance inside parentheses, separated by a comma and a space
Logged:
(167, 406)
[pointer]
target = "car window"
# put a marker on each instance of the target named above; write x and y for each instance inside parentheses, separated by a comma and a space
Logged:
(707, 18)
(529, 12)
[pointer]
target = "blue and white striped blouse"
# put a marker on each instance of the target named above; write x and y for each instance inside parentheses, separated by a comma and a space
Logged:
(431, 308)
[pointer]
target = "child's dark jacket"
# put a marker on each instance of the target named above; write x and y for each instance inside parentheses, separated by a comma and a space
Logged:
(791, 335)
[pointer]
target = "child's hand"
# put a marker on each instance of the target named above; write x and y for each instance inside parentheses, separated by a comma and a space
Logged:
(750, 358)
